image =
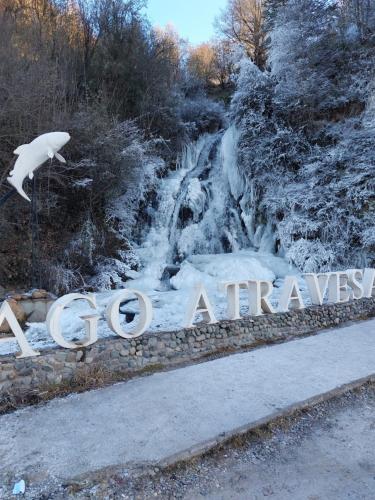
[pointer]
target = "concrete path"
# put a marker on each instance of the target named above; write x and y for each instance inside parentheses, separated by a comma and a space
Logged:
(156, 418)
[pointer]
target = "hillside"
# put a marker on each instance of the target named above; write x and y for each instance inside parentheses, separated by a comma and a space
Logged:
(307, 139)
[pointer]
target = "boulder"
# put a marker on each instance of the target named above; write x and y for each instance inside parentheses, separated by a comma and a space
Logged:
(18, 312)
(39, 294)
(15, 296)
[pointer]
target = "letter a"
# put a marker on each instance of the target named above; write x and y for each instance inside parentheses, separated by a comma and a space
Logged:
(199, 304)
(6, 313)
(369, 283)
(290, 295)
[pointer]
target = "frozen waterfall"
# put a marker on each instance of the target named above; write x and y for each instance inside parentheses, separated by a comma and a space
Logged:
(203, 227)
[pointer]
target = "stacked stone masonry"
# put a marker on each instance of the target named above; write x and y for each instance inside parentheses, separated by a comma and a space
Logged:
(163, 349)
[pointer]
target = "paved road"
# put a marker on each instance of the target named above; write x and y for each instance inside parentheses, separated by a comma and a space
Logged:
(154, 418)
(323, 453)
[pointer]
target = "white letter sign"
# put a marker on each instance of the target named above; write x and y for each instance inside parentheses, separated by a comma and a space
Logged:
(317, 285)
(233, 296)
(199, 304)
(355, 277)
(54, 321)
(259, 294)
(333, 287)
(290, 295)
(338, 288)
(369, 283)
(113, 316)
(7, 314)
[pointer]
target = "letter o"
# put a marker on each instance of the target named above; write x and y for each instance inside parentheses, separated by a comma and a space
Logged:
(113, 317)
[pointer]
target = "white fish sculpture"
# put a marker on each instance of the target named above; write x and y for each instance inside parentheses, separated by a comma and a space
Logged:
(31, 156)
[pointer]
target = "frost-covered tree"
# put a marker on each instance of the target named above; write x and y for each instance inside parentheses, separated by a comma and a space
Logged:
(271, 8)
(358, 16)
(307, 138)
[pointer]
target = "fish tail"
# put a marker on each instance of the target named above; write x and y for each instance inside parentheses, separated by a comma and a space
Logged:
(18, 188)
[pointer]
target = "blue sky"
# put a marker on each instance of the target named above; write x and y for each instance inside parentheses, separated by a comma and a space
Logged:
(193, 19)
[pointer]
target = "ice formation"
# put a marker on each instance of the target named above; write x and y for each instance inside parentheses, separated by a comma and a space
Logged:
(205, 208)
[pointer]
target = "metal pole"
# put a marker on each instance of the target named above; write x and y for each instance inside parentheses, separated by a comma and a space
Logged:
(35, 270)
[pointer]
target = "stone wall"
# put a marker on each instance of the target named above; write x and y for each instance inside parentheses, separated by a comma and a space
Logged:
(154, 351)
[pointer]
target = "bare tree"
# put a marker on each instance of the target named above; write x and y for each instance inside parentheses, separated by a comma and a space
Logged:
(243, 22)
(223, 61)
(201, 63)
(168, 48)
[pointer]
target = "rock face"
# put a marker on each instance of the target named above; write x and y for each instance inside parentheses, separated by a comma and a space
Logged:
(19, 312)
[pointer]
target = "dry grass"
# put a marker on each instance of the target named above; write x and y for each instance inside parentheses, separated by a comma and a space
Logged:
(85, 379)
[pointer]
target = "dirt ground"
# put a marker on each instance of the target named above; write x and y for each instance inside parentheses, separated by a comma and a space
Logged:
(324, 453)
